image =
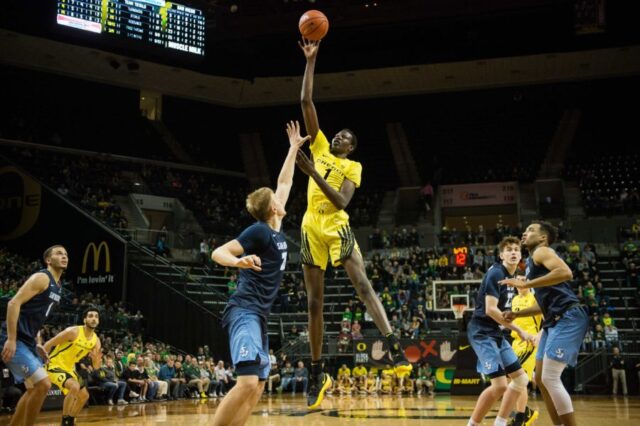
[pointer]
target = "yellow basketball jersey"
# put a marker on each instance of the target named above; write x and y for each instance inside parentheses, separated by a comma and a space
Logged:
(386, 383)
(334, 170)
(344, 372)
(389, 372)
(359, 371)
(529, 324)
(66, 355)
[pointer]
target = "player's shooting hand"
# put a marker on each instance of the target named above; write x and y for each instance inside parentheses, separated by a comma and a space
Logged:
(9, 350)
(293, 131)
(250, 262)
(310, 48)
(513, 282)
(508, 316)
(43, 354)
(304, 163)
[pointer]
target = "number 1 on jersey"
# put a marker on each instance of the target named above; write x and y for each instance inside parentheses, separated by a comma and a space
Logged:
(49, 309)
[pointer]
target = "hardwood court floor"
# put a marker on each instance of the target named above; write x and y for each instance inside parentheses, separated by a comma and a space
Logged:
(388, 410)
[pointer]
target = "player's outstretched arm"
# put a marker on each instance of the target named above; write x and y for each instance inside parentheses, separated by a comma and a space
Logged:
(285, 179)
(227, 255)
(310, 49)
(36, 284)
(341, 198)
(67, 335)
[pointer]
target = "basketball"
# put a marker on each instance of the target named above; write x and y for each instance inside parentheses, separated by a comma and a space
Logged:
(313, 25)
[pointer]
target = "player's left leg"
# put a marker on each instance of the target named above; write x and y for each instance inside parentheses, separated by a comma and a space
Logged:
(18, 415)
(319, 381)
(487, 398)
(496, 359)
(525, 352)
(27, 367)
(250, 354)
(548, 402)
(354, 265)
(516, 387)
(31, 402)
(236, 406)
(83, 397)
(70, 400)
(561, 348)
(552, 370)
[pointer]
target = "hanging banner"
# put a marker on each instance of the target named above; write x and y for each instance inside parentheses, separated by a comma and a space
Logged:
(478, 194)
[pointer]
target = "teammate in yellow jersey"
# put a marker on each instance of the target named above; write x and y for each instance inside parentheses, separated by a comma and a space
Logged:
(387, 380)
(372, 383)
(525, 351)
(343, 380)
(402, 378)
(69, 347)
(360, 378)
(326, 234)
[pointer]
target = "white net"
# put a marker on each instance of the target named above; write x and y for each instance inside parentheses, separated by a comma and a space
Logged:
(458, 310)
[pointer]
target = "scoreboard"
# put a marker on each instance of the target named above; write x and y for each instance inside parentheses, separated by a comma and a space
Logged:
(159, 22)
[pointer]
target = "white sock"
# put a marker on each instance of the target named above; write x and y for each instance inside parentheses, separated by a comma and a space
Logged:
(500, 422)
(472, 423)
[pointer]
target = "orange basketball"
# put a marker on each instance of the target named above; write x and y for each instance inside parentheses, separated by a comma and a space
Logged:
(313, 25)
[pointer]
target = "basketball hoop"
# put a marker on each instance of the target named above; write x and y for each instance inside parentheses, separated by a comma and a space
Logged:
(458, 310)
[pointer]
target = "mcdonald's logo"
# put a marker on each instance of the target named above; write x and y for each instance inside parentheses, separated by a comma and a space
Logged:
(97, 251)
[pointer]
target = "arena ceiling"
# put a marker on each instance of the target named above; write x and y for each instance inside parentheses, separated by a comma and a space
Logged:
(395, 48)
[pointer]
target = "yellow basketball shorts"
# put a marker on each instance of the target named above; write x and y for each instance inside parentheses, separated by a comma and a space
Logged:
(59, 377)
(326, 236)
(526, 354)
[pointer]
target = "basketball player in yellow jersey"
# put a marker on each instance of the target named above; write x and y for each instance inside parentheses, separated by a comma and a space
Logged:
(69, 347)
(525, 351)
(360, 376)
(326, 234)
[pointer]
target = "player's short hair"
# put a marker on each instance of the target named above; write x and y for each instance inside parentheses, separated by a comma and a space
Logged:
(548, 229)
(90, 309)
(48, 252)
(354, 138)
(259, 203)
(507, 241)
